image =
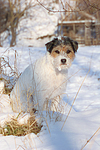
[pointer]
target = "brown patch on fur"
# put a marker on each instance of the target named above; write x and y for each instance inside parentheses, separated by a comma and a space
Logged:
(71, 55)
(63, 48)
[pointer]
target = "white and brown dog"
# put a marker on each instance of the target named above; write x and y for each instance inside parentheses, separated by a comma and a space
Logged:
(45, 80)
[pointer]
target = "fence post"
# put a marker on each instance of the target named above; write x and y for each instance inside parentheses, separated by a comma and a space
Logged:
(87, 33)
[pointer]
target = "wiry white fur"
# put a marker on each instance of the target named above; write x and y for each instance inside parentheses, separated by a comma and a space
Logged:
(39, 83)
(1, 86)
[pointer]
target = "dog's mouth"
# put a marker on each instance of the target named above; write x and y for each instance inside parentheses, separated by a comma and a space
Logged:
(63, 64)
(63, 67)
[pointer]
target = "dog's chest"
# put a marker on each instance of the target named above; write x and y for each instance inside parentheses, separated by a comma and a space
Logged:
(48, 82)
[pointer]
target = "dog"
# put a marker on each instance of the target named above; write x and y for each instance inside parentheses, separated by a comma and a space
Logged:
(42, 84)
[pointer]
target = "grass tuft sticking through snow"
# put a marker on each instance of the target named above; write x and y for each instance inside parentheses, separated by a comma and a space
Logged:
(14, 128)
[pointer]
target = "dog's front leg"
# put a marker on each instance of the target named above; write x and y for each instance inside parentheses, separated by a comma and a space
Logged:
(55, 103)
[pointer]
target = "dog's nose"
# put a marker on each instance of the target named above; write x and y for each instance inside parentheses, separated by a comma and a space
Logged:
(63, 61)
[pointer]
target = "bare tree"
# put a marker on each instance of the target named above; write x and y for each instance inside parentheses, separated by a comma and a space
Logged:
(12, 11)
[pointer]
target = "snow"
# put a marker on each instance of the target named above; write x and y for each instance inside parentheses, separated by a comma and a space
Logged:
(84, 118)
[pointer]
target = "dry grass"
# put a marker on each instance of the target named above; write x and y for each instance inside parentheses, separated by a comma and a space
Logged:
(90, 138)
(75, 98)
(14, 128)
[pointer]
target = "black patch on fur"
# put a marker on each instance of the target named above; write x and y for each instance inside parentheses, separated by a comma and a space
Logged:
(64, 40)
(50, 45)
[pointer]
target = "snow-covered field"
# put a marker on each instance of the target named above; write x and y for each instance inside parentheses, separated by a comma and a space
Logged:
(82, 91)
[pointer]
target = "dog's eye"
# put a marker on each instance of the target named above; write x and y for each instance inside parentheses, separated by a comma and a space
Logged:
(56, 51)
(68, 51)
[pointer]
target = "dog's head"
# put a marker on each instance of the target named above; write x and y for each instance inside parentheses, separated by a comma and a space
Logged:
(63, 52)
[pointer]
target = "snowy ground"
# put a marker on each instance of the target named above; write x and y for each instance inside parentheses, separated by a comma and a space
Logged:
(84, 118)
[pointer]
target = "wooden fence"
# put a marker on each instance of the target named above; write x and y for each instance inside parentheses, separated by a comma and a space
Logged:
(84, 31)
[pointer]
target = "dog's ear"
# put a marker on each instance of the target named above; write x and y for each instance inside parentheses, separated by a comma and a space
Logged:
(73, 43)
(50, 45)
